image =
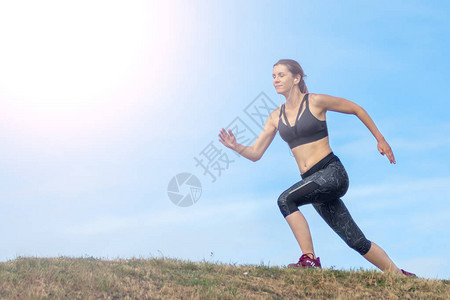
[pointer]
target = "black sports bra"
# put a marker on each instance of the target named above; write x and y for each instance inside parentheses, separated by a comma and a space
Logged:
(307, 129)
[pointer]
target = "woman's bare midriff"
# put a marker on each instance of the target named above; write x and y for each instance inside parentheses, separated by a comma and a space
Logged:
(307, 155)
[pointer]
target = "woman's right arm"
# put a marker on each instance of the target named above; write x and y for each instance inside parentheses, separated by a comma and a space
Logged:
(256, 151)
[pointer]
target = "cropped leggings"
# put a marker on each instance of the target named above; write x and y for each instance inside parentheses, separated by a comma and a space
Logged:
(322, 186)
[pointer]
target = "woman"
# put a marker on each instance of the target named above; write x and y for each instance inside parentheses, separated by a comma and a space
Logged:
(324, 179)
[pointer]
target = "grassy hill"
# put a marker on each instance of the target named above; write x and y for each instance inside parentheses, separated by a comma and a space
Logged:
(162, 278)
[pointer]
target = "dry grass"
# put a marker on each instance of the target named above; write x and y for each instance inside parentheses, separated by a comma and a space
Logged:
(162, 278)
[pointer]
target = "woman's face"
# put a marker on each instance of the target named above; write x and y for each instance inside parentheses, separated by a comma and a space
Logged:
(283, 80)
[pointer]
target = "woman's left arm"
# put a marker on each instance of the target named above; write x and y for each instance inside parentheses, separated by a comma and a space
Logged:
(348, 107)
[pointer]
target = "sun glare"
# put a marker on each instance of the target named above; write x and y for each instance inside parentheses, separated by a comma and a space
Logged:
(68, 63)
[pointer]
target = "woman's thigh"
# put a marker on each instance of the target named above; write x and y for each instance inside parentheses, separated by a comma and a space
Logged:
(333, 182)
(322, 186)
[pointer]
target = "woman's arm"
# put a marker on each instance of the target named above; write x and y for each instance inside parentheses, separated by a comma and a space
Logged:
(256, 151)
(345, 106)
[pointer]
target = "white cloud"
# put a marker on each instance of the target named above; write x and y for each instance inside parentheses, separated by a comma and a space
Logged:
(424, 185)
(177, 215)
(422, 143)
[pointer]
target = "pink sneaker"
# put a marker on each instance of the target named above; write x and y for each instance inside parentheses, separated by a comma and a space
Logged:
(408, 274)
(306, 262)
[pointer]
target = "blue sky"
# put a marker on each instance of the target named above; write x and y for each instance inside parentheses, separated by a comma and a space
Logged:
(102, 104)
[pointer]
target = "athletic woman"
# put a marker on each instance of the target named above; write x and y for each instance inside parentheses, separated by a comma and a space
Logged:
(302, 124)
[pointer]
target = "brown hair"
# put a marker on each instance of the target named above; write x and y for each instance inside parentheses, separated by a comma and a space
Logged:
(295, 68)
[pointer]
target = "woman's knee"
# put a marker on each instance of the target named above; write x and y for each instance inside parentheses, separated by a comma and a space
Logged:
(361, 246)
(297, 195)
(286, 205)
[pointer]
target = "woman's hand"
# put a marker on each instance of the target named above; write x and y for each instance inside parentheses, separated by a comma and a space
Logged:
(384, 148)
(228, 141)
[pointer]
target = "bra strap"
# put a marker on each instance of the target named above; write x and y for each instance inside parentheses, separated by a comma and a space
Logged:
(307, 100)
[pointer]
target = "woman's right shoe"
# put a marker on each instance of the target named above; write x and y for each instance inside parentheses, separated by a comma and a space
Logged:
(407, 273)
(306, 262)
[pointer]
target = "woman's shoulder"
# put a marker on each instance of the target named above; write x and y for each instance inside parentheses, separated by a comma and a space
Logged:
(319, 99)
(274, 115)
(314, 96)
(276, 111)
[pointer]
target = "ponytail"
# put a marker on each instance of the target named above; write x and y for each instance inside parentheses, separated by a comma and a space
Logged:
(302, 86)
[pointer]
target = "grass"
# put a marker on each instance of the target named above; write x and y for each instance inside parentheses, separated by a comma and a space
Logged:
(163, 278)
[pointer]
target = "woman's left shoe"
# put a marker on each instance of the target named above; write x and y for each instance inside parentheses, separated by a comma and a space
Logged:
(306, 262)
(407, 273)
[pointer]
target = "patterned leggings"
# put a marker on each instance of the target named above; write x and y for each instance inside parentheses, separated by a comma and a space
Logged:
(322, 186)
